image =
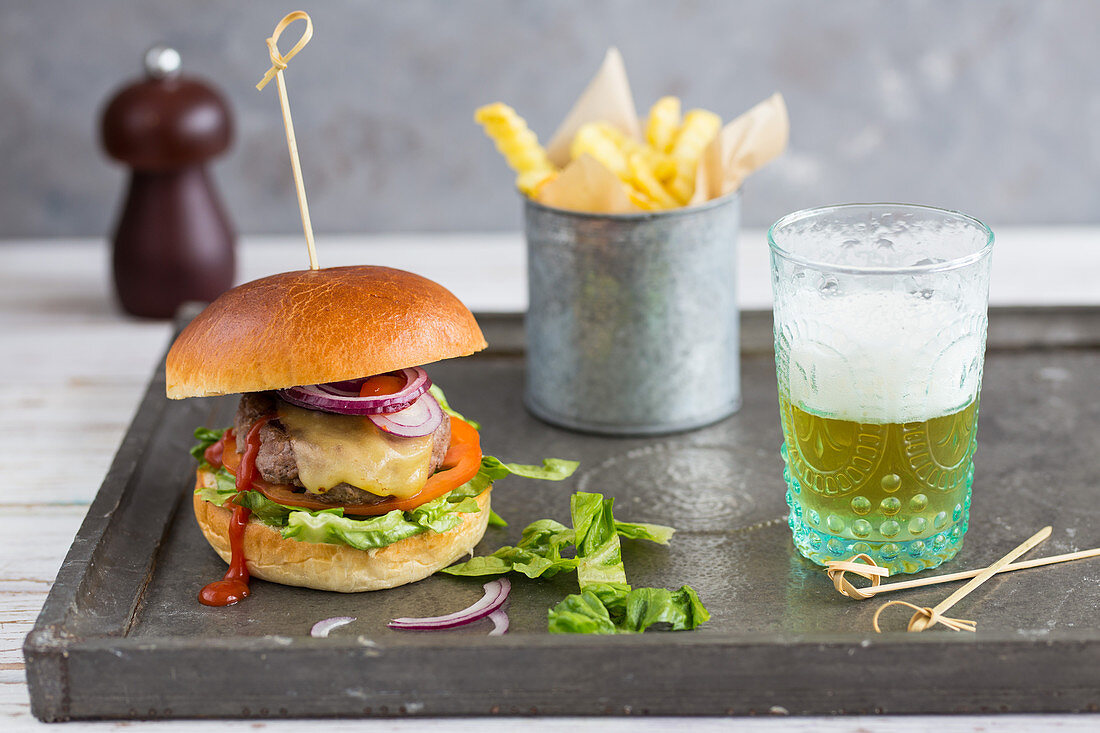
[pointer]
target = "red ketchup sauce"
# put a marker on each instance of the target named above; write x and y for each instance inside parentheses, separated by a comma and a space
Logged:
(234, 584)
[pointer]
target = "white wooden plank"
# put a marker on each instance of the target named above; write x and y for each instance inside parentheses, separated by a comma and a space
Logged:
(35, 540)
(1032, 266)
(58, 443)
(21, 721)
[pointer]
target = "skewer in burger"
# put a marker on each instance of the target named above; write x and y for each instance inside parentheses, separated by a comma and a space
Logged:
(345, 468)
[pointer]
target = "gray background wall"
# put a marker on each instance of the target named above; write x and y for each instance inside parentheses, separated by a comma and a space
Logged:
(990, 106)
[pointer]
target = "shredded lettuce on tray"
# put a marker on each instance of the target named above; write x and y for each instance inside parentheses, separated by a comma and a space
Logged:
(616, 608)
(332, 527)
(606, 604)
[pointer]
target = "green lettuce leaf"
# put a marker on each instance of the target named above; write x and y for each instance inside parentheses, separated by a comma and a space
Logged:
(581, 613)
(545, 547)
(267, 511)
(206, 438)
(329, 527)
(681, 609)
(264, 509)
(599, 553)
(618, 609)
(492, 469)
(638, 531)
(222, 491)
(538, 554)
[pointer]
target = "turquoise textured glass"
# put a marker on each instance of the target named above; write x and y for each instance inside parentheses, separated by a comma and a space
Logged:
(880, 324)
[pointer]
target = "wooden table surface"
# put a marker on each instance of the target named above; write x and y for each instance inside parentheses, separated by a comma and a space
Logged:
(73, 369)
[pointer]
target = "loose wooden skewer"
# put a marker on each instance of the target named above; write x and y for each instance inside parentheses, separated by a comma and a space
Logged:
(875, 590)
(925, 617)
(278, 63)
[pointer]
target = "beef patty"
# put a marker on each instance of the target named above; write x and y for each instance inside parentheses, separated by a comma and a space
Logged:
(276, 462)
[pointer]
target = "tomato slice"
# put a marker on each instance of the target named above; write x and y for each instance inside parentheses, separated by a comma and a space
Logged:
(382, 384)
(231, 459)
(213, 454)
(460, 464)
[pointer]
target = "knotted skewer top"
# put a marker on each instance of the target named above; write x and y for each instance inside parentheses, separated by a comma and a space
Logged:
(279, 60)
(278, 65)
(863, 566)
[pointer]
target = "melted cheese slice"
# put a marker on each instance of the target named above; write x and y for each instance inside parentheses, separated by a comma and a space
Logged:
(334, 449)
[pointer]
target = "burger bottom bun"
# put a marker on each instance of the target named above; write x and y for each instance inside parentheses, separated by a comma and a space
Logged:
(340, 567)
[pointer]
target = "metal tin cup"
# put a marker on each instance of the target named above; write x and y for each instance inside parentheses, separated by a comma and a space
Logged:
(632, 324)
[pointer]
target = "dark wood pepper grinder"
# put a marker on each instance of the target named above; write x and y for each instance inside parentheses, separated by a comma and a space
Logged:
(174, 242)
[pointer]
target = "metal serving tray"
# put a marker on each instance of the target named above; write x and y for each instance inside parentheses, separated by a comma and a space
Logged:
(122, 636)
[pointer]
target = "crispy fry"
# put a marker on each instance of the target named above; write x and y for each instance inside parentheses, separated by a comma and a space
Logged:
(599, 140)
(662, 165)
(530, 182)
(641, 173)
(623, 141)
(639, 199)
(699, 128)
(665, 169)
(663, 124)
(516, 142)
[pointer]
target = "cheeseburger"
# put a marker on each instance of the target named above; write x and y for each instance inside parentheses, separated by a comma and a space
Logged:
(345, 469)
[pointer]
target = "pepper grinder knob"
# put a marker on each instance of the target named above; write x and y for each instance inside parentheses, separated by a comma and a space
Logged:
(162, 61)
(173, 242)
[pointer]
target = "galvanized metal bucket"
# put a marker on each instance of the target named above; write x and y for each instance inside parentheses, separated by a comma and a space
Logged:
(633, 326)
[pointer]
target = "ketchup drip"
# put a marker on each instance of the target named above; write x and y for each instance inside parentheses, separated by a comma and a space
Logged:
(234, 584)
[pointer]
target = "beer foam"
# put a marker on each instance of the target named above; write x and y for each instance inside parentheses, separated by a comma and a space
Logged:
(881, 357)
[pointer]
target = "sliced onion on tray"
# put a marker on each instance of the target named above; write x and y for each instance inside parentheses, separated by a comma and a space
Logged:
(321, 628)
(496, 593)
(343, 397)
(420, 418)
(499, 618)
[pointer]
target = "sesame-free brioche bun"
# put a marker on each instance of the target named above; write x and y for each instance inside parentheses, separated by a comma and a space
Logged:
(315, 326)
(340, 567)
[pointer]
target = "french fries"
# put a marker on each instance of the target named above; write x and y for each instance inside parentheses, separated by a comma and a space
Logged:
(643, 179)
(599, 140)
(699, 128)
(663, 124)
(655, 173)
(518, 144)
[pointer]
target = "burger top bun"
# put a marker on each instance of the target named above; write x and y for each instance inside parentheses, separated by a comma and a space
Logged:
(315, 326)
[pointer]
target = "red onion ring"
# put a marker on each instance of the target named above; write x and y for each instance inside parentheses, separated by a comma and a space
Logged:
(418, 419)
(496, 593)
(499, 618)
(321, 628)
(343, 397)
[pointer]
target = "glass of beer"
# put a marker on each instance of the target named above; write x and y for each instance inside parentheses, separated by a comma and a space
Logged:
(880, 323)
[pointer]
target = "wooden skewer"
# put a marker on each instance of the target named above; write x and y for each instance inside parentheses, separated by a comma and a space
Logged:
(963, 575)
(278, 64)
(983, 576)
(925, 617)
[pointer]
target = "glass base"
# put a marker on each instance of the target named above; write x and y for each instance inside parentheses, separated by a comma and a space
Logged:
(910, 556)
